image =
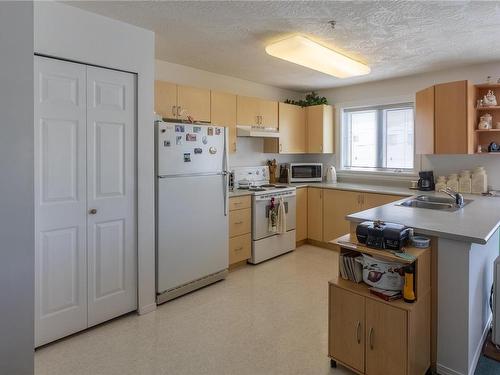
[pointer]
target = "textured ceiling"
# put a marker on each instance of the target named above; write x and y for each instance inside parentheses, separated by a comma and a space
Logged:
(395, 38)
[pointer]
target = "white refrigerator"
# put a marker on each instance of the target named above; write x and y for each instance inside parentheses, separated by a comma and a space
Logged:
(191, 207)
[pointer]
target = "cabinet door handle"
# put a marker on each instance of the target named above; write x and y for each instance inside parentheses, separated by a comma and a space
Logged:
(358, 332)
(370, 338)
(239, 248)
(173, 110)
(239, 222)
(234, 146)
(281, 147)
(178, 110)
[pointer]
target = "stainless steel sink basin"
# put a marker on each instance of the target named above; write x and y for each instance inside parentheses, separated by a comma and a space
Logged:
(433, 203)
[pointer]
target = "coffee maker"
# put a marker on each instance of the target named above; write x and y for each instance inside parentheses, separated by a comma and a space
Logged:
(426, 180)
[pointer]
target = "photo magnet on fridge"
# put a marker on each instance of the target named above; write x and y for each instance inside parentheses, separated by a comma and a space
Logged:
(198, 150)
(190, 137)
(210, 131)
(187, 157)
(166, 143)
(217, 131)
(179, 128)
(178, 140)
(196, 129)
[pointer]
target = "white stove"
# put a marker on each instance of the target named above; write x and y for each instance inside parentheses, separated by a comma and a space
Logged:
(266, 244)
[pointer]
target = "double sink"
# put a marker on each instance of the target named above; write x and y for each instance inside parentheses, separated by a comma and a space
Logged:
(433, 203)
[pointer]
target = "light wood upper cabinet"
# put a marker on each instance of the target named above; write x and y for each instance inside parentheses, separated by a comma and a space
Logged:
(301, 215)
(257, 112)
(223, 113)
(424, 121)
(315, 214)
(166, 99)
(178, 102)
(320, 130)
(347, 328)
(337, 204)
(444, 119)
(292, 128)
(386, 339)
(194, 102)
(453, 130)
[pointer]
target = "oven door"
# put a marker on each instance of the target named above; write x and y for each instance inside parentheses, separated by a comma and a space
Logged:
(260, 215)
(306, 172)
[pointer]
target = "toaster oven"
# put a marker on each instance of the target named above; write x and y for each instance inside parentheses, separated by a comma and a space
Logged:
(305, 172)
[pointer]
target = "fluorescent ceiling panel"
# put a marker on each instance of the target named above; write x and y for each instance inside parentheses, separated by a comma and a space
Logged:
(303, 51)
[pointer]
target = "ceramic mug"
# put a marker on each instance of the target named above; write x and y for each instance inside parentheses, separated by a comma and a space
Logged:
(497, 125)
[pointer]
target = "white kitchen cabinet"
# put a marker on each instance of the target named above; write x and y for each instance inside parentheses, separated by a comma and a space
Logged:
(85, 219)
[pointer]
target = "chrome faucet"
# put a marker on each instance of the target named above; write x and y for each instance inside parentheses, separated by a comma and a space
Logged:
(457, 197)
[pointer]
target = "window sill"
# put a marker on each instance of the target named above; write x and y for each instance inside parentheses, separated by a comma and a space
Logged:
(377, 175)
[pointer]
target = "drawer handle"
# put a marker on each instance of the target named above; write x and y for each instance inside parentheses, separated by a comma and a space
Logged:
(239, 222)
(370, 338)
(358, 333)
(239, 248)
(237, 203)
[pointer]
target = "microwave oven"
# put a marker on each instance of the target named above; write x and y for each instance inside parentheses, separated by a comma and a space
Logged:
(305, 172)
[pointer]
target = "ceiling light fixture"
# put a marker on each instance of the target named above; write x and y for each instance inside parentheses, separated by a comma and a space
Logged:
(303, 51)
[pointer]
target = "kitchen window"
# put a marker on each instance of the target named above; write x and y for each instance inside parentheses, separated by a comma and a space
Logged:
(379, 138)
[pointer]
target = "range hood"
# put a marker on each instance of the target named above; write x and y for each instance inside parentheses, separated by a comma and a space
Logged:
(256, 131)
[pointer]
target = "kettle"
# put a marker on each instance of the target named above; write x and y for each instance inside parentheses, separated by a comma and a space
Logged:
(331, 174)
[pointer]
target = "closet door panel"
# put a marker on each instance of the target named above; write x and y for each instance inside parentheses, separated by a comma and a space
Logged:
(60, 199)
(112, 249)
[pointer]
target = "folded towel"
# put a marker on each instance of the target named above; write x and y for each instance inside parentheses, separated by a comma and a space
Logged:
(281, 219)
(272, 219)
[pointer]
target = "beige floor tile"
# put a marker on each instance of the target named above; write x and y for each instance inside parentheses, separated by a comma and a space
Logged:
(264, 319)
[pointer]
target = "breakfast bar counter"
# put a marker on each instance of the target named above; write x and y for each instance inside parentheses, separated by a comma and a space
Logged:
(467, 245)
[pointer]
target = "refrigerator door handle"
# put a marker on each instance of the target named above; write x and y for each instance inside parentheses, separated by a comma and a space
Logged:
(225, 172)
(226, 192)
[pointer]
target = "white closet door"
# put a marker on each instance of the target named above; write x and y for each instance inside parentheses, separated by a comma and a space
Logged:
(60, 199)
(111, 194)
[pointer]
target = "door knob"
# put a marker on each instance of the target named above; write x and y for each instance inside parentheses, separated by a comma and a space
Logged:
(93, 211)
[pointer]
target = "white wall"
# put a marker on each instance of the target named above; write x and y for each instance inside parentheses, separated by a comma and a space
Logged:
(186, 75)
(67, 32)
(16, 189)
(404, 88)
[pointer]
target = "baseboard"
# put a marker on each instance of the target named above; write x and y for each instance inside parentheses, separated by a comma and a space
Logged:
(146, 309)
(300, 243)
(479, 348)
(324, 245)
(443, 370)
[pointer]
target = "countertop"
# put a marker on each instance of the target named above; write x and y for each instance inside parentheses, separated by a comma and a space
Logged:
(476, 222)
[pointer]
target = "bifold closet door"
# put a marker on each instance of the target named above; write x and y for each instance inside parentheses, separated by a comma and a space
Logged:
(85, 197)
(60, 199)
(111, 192)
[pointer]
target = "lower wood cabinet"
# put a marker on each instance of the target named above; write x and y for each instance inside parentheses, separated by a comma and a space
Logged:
(336, 205)
(240, 226)
(374, 338)
(240, 248)
(301, 215)
(315, 214)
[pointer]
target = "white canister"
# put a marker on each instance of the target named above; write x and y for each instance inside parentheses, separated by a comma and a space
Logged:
(452, 182)
(479, 180)
(440, 183)
(465, 182)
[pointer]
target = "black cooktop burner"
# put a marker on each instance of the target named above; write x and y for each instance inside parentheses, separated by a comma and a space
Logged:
(268, 185)
(280, 186)
(256, 189)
